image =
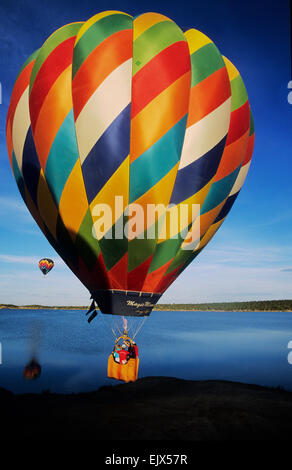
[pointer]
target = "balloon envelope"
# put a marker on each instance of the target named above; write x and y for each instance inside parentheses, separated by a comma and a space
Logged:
(118, 128)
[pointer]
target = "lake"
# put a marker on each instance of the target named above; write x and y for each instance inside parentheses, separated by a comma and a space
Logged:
(250, 347)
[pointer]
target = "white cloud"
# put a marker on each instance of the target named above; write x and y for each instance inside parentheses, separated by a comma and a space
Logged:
(31, 260)
(8, 204)
(221, 283)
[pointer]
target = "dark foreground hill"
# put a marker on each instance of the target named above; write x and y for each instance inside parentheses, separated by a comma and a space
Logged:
(153, 408)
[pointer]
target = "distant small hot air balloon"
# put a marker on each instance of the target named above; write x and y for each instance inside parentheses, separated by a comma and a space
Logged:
(45, 265)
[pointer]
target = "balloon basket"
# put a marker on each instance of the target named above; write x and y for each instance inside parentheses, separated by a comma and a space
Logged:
(127, 372)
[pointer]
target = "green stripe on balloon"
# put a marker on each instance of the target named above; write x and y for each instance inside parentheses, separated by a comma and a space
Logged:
(164, 252)
(153, 41)
(28, 61)
(181, 257)
(251, 123)
(113, 249)
(139, 250)
(204, 62)
(52, 42)
(86, 245)
(238, 93)
(96, 34)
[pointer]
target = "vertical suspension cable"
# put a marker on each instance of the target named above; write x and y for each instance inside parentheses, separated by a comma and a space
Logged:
(139, 328)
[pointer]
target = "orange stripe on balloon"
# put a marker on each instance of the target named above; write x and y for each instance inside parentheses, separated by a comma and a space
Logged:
(232, 157)
(249, 151)
(73, 214)
(58, 61)
(56, 106)
(167, 280)
(208, 95)
(203, 222)
(153, 278)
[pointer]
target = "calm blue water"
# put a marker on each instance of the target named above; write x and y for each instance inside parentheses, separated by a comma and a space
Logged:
(247, 347)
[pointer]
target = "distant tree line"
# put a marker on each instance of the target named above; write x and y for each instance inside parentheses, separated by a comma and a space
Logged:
(261, 305)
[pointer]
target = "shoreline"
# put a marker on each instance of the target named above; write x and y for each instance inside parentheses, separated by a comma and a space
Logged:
(28, 307)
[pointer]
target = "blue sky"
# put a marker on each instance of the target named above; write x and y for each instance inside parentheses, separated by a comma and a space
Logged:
(250, 257)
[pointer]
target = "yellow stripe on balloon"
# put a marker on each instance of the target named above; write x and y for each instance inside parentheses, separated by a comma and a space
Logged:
(231, 69)
(46, 205)
(96, 18)
(196, 40)
(202, 223)
(161, 192)
(118, 184)
(33, 209)
(145, 21)
(209, 234)
(72, 213)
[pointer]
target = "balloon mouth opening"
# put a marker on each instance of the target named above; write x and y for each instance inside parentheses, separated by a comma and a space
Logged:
(125, 303)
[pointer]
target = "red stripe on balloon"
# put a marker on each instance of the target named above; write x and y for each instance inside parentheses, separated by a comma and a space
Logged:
(239, 123)
(59, 59)
(137, 276)
(168, 65)
(117, 275)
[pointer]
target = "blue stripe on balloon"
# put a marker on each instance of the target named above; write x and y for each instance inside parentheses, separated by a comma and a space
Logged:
(107, 154)
(31, 166)
(226, 208)
(62, 157)
(18, 176)
(157, 161)
(219, 191)
(192, 178)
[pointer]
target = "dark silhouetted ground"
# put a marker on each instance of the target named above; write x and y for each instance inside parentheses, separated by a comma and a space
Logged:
(153, 408)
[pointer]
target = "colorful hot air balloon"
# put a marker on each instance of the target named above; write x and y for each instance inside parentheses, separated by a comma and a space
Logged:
(46, 265)
(117, 115)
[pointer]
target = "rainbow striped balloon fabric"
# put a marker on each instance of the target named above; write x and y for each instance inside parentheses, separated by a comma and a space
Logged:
(113, 117)
(45, 265)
